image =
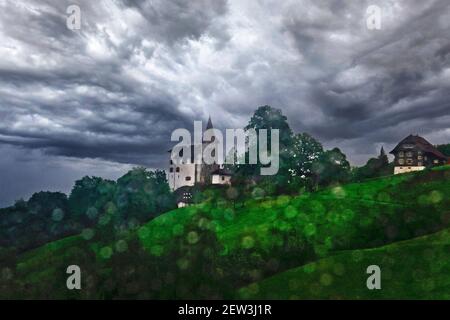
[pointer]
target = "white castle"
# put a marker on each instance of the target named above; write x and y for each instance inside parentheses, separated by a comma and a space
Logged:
(184, 176)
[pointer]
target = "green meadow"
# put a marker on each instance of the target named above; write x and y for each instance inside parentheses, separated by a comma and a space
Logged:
(308, 246)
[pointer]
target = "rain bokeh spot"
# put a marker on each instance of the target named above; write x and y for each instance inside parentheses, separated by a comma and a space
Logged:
(106, 252)
(57, 214)
(290, 212)
(248, 242)
(193, 237)
(326, 279)
(177, 229)
(92, 213)
(121, 246)
(157, 250)
(436, 197)
(87, 234)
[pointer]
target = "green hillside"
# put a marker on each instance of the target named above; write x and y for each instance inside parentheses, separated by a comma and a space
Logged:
(412, 269)
(213, 249)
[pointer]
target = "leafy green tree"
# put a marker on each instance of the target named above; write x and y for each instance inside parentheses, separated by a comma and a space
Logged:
(331, 167)
(269, 118)
(375, 167)
(89, 196)
(143, 194)
(304, 152)
(445, 149)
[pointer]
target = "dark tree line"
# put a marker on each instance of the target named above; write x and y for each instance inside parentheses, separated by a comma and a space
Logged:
(138, 196)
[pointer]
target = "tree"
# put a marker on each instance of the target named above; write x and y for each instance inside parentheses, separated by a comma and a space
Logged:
(269, 118)
(89, 196)
(445, 149)
(266, 117)
(331, 167)
(143, 194)
(375, 167)
(303, 154)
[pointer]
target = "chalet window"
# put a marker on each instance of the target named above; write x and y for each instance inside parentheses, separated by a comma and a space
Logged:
(401, 161)
(420, 164)
(188, 178)
(420, 157)
(436, 161)
(409, 154)
(178, 169)
(419, 153)
(401, 154)
(409, 161)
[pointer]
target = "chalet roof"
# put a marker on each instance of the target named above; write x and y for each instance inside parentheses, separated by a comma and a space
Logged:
(420, 143)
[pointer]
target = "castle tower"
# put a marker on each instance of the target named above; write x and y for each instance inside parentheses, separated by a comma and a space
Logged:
(207, 169)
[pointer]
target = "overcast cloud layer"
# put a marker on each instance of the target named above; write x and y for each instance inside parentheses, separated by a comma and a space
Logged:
(104, 98)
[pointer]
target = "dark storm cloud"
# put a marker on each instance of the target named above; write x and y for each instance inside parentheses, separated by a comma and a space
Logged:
(171, 21)
(114, 90)
(80, 95)
(380, 80)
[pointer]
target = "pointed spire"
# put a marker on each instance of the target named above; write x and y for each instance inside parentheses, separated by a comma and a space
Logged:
(209, 125)
(382, 153)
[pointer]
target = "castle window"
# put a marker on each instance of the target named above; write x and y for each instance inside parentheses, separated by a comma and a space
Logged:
(178, 169)
(171, 169)
(188, 178)
(223, 178)
(171, 161)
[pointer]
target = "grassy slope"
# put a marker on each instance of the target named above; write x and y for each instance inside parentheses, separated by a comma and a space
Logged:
(249, 225)
(256, 217)
(412, 269)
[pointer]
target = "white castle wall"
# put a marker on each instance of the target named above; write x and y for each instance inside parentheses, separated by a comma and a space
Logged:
(178, 179)
(217, 179)
(400, 170)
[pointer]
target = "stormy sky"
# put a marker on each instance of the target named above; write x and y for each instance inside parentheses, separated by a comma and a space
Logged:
(102, 99)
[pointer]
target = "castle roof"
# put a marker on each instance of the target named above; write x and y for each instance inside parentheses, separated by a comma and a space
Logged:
(420, 143)
(209, 125)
